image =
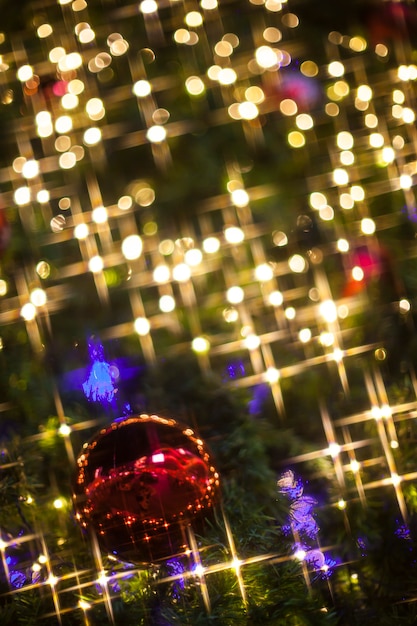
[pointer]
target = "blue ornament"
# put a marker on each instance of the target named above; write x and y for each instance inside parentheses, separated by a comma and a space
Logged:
(99, 387)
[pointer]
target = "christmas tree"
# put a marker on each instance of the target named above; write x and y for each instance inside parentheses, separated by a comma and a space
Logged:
(207, 296)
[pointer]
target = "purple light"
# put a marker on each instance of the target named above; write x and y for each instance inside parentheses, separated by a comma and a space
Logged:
(99, 386)
(302, 523)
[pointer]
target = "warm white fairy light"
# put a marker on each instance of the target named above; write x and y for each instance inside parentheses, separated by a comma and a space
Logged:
(181, 272)
(156, 134)
(142, 326)
(397, 111)
(305, 335)
(386, 411)
(326, 339)
(161, 274)
(252, 341)
(86, 35)
(334, 449)
(69, 101)
(30, 169)
(357, 192)
(347, 157)
(388, 154)
(182, 36)
(240, 197)
(288, 107)
(368, 226)
(92, 136)
(193, 257)
(264, 272)
(148, 6)
(95, 108)
(67, 160)
(24, 73)
(235, 294)
(234, 234)
(124, 203)
(296, 139)
(248, 110)
(328, 311)
(194, 85)
(338, 355)
(81, 231)
(226, 76)
(166, 247)
(346, 201)
(44, 30)
(357, 273)
(406, 181)
(342, 245)
(209, 5)
(304, 121)
(28, 311)
(290, 313)
(376, 140)
(297, 263)
(132, 247)
(52, 580)
(75, 86)
(22, 196)
(364, 93)
(119, 47)
(69, 62)
(404, 305)
(167, 303)
(340, 176)
(326, 213)
(63, 124)
(344, 140)
(266, 57)
(38, 297)
(395, 479)
(64, 430)
(200, 345)
(272, 375)
(336, 69)
(99, 215)
(317, 200)
(341, 504)
(355, 466)
(211, 245)
(376, 412)
(96, 264)
(58, 503)
(276, 298)
(230, 314)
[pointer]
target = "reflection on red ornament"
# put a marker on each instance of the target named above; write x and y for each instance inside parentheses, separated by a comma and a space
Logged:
(140, 483)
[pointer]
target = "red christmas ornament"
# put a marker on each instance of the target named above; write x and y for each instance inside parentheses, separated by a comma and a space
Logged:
(140, 482)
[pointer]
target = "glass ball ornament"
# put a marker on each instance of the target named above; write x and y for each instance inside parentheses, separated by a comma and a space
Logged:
(140, 484)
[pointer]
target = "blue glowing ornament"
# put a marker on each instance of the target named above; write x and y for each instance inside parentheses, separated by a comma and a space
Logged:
(176, 569)
(302, 523)
(99, 387)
